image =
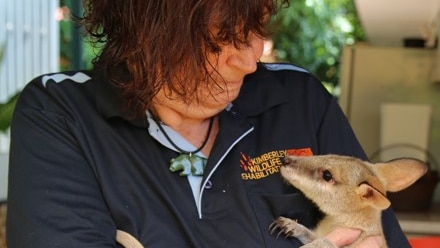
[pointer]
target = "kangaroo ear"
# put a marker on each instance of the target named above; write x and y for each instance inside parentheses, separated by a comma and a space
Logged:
(400, 173)
(372, 196)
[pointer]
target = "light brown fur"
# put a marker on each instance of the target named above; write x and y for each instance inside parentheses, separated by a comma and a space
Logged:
(126, 240)
(350, 192)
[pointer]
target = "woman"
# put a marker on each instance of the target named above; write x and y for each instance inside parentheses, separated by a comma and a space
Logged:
(175, 138)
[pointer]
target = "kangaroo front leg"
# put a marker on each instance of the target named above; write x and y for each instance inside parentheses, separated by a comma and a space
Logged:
(291, 228)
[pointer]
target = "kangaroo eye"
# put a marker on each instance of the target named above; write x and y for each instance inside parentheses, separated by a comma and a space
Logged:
(327, 176)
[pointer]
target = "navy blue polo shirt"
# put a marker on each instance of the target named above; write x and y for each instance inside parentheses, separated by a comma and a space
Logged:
(80, 168)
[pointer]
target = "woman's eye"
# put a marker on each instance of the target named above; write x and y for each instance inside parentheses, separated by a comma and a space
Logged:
(327, 176)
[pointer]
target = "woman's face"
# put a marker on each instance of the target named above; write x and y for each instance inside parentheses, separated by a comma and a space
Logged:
(228, 69)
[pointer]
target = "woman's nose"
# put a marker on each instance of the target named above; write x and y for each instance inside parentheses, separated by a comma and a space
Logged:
(245, 58)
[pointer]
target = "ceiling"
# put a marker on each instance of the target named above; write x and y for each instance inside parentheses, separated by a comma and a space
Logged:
(388, 22)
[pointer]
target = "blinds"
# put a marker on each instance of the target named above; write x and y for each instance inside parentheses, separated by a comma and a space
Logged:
(29, 36)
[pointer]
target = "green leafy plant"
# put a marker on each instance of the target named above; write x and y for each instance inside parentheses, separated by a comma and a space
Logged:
(6, 108)
(312, 33)
(6, 111)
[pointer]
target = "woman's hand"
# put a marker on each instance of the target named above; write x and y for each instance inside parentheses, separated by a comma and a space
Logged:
(345, 236)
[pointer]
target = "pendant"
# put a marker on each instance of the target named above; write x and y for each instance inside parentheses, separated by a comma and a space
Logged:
(188, 164)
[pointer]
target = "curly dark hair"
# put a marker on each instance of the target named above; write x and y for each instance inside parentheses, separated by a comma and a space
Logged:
(150, 43)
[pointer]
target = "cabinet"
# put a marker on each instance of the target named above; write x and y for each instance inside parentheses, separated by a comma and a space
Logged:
(372, 76)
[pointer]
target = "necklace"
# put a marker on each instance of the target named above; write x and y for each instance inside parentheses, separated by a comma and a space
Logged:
(187, 162)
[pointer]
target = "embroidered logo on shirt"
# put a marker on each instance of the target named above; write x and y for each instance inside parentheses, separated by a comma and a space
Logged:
(268, 163)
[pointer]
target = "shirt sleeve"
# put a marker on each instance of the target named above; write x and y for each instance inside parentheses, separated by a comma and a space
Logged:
(54, 199)
(336, 135)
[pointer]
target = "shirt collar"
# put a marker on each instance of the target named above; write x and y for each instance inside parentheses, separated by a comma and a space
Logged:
(261, 90)
(157, 134)
(110, 101)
